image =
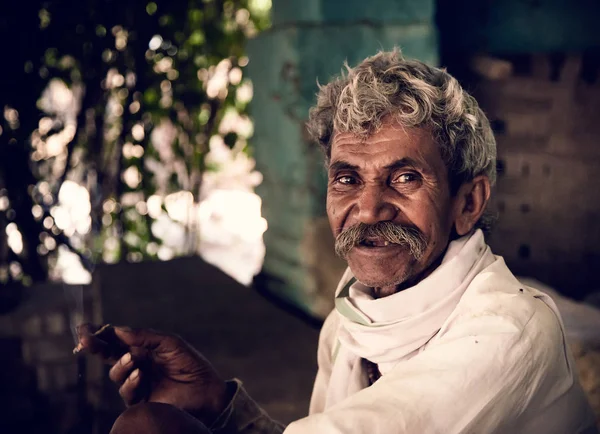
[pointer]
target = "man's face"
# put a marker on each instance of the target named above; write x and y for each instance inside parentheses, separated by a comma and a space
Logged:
(396, 175)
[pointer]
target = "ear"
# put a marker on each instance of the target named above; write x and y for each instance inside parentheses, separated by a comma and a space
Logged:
(470, 202)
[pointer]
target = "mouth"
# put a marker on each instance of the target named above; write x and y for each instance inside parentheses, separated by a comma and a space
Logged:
(375, 242)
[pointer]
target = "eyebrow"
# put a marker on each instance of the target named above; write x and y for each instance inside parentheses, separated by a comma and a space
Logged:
(405, 162)
(341, 165)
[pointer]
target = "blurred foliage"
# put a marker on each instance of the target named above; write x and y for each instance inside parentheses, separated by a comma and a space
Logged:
(84, 86)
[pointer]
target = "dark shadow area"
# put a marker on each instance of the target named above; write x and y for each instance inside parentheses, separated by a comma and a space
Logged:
(270, 348)
(541, 94)
(246, 334)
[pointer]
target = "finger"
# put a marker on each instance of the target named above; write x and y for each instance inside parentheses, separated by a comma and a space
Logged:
(122, 369)
(134, 358)
(95, 345)
(128, 390)
(83, 331)
(115, 348)
(144, 338)
(87, 335)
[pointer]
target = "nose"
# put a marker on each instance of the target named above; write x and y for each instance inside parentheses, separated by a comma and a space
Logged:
(373, 205)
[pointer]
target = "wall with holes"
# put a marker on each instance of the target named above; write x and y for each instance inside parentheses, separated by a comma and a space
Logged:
(534, 67)
(545, 111)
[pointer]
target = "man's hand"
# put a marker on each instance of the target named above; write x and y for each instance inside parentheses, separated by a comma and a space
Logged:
(150, 366)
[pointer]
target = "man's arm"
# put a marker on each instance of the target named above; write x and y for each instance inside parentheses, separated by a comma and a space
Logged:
(245, 416)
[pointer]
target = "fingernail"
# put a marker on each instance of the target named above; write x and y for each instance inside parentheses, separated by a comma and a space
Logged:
(124, 328)
(134, 375)
(126, 359)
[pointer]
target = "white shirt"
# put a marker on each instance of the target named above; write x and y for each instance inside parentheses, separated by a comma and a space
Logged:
(499, 364)
(470, 350)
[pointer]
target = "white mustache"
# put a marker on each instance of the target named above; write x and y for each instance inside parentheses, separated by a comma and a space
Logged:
(394, 233)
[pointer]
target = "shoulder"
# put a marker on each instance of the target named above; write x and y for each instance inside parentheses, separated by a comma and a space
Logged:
(497, 303)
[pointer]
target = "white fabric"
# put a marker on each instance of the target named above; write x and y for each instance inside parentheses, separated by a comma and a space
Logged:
(582, 321)
(387, 330)
(497, 362)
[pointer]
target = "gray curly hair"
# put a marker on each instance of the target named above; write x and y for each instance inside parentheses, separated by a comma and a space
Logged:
(417, 95)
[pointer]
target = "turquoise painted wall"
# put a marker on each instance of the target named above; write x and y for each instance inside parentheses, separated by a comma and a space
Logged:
(309, 41)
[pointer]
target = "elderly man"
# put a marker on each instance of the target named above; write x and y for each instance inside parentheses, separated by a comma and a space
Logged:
(431, 333)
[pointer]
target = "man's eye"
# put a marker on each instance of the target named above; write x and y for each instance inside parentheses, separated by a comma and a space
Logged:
(405, 178)
(346, 180)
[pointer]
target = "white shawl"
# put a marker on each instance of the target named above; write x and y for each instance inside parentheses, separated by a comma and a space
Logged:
(388, 330)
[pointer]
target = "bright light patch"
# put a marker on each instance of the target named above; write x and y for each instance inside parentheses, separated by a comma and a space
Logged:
(141, 208)
(233, 122)
(134, 107)
(235, 76)
(138, 132)
(4, 203)
(155, 42)
(58, 99)
(244, 92)
(242, 16)
(229, 214)
(69, 267)
(260, 6)
(132, 177)
(15, 240)
(165, 253)
(109, 205)
(48, 222)
(163, 65)
(172, 234)
(44, 125)
(154, 206)
(72, 214)
(180, 206)
(219, 79)
(50, 243)
(37, 211)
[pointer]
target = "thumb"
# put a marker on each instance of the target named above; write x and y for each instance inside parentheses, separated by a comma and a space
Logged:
(145, 338)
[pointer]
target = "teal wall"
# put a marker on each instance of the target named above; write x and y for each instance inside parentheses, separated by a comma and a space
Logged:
(309, 41)
(519, 26)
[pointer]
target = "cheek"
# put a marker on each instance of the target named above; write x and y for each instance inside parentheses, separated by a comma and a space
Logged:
(338, 208)
(332, 214)
(439, 229)
(430, 216)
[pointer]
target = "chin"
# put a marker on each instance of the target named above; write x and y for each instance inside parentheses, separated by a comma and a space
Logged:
(379, 276)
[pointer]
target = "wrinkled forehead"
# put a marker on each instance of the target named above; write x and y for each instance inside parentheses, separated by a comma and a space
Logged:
(390, 143)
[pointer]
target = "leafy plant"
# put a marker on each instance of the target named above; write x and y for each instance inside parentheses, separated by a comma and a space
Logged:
(108, 107)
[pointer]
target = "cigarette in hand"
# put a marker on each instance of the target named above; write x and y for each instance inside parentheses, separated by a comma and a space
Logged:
(80, 346)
